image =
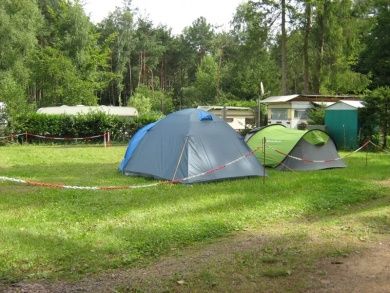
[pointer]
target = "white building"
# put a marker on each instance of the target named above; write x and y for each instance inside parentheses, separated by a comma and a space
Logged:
(292, 110)
(238, 118)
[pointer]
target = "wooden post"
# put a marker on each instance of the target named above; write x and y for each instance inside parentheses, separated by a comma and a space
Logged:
(26, 136)
(108, 138)
(105, 139)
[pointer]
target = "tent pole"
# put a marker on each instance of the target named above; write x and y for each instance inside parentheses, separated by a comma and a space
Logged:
(181, 155)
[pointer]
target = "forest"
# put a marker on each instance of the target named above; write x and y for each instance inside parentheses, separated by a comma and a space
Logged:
(52, 54)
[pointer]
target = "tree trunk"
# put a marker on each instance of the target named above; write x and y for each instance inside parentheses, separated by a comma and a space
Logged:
(284, 49)
(321, 43)
(144, 73)
(218, 83)
(306, 48)
(130, 79)
(140, 67)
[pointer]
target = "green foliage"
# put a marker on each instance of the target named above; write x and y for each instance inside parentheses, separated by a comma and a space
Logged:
(206, 81)
(67, 64)
(51, 54)
(141, 103)
(19, 23)
(60, 80)
(13, 95)
(376, 114)
(121, 129)
(151, 101)
(316, 116)
(375, 57)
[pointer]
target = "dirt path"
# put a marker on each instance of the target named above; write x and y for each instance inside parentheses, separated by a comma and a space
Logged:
(154, 276)
(364, 271)
(368, 271)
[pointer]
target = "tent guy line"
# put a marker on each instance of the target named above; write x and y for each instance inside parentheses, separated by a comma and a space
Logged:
(322, 161)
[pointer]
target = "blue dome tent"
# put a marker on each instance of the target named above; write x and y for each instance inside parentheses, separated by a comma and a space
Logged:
(189, 146)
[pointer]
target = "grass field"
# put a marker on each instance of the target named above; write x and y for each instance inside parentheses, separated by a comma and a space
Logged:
(67, 234)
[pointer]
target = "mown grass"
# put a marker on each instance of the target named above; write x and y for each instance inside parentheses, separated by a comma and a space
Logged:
(52, 233)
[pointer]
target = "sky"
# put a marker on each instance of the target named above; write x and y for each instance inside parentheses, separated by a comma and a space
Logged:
(175, 14)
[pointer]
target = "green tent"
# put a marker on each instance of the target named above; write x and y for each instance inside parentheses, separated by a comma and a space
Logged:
(292, 149)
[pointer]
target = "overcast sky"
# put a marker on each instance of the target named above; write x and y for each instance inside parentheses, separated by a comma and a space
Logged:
(175, 14)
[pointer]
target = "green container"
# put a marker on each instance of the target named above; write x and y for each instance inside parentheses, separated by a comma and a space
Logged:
(343, 127)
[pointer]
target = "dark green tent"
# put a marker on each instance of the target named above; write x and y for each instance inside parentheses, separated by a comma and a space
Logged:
(292, 149)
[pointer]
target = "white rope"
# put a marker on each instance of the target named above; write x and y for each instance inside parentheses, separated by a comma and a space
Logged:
(75, 187)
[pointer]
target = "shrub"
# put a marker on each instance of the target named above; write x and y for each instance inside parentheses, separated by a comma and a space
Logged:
(317, 116)
(120, 128)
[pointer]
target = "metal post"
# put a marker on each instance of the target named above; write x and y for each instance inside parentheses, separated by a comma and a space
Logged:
(258, 113)
(264, 142)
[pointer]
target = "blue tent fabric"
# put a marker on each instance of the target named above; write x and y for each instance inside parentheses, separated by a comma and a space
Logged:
(135, 140)
(182, 147)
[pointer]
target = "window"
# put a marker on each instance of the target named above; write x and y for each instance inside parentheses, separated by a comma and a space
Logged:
(279, 114)
(300, 114)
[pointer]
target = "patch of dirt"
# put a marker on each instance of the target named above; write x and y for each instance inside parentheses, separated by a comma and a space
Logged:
(385, 183)
(367, 271)
(364, 271)
(153, 276)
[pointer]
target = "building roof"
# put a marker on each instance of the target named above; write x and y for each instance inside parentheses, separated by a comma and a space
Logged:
(81, 109)
(345, 105)
(355, 104)
(306, 98)
(279, 99)
(208, 108)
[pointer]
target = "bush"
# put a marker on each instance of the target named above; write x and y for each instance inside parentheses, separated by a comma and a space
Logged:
(121, 129)
(149, 101)
(317, 116)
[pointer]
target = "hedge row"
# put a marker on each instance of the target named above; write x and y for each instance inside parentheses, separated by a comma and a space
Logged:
(121, 129)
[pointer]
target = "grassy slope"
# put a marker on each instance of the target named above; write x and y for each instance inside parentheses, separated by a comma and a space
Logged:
(47, 233)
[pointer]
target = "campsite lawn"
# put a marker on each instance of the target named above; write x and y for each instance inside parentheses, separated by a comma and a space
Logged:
(67, 234)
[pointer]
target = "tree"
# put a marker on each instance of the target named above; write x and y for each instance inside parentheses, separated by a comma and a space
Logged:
(375, 58)
(377, 114)
(147, 100)
(67, 66)
(307, 29)
(249, 61)
(206, 81)
(19, 23)
(117, 34)
(337, 44)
